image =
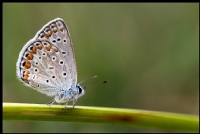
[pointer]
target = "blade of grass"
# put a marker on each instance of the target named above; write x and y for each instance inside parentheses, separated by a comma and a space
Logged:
(141, 118)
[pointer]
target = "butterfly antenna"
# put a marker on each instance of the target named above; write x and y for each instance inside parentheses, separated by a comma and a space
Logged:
(92, 82)
(89, 79)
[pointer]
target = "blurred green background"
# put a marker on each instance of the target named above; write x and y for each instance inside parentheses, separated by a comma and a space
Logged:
(148, 53)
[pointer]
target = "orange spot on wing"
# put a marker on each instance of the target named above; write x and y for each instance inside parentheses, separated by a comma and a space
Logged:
(39, 47)
(48, 47)
(45, 38)
(55, 49)
(34, 50)
(26, 75)
(27, 65)
(48, 33)
(55, 30)
(30, 56)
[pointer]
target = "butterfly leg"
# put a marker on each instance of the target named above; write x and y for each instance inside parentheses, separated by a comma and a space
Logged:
(51, 102)
(74, 102)
(65, 105)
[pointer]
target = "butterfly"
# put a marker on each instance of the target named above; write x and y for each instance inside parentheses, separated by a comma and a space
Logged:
(47, 64)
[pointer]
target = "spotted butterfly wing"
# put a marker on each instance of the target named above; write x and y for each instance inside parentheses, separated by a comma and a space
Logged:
(47, 62)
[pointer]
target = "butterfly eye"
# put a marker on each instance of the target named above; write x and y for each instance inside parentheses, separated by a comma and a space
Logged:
(80, 90)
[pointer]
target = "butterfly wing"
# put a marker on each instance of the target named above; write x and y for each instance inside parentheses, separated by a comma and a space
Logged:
(47, 62)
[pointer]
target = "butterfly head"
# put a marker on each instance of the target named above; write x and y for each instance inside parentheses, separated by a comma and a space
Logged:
(81, 90)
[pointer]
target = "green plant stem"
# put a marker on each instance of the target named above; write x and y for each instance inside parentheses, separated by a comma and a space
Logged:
(143, 118)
